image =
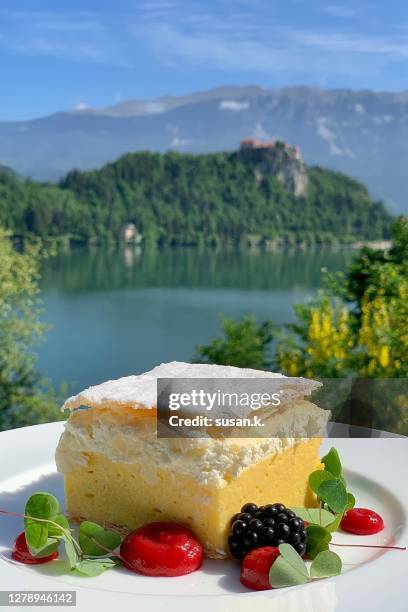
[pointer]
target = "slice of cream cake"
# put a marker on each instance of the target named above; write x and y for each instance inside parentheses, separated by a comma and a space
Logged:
(117, 471)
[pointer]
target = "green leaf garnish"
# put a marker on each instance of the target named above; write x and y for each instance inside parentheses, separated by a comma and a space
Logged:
(46, 527)
(318, 539)
(50, 547)
(289, 553)
(90, 534)
(317, 478)
(335, 524)
(62, 525)
(317, 516)
(325, 565)
(331, 489)
(334, 494)
(71, 552)
(43, 506)
(95, 567)
(332, 462)
(289, 569)
(351, 501)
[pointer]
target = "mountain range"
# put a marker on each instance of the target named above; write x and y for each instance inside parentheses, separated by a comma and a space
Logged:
(361, 133)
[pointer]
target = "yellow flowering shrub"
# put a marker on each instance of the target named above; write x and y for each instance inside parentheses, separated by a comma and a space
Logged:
(327, 335)
(383, 333)
(359, 327)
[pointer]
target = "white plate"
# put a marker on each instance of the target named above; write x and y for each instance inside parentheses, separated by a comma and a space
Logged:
(376, 470)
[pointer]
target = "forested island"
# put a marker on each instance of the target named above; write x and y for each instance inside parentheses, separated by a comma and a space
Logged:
(263, 193)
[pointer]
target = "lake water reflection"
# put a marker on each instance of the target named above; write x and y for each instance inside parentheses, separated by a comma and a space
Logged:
(119, 311)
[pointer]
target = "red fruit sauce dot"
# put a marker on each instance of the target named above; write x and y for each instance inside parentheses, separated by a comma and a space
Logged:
(21, 553)
(255, 567)
(162, 549)
(362, 521)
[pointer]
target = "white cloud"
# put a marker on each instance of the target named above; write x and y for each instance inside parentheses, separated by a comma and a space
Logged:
(79, 36)
(154, 108)
(247, 37)
(233, 105)
(270, 48)
(203, 47)
(354, 43)
(81, 106)
(338, 10)
(359, 108)
(82, 51)
(178, 143)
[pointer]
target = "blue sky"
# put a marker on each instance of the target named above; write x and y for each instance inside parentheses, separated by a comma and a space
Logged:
(58, 54)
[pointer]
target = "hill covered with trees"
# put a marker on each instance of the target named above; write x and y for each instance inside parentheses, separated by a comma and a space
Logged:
(215, 198)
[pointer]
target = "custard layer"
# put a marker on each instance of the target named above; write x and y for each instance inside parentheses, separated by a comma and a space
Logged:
(115, 493)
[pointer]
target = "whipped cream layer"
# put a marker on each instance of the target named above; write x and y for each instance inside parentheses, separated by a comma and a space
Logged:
(122, 436)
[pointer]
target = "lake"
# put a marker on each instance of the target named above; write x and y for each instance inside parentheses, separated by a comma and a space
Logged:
(116, 312)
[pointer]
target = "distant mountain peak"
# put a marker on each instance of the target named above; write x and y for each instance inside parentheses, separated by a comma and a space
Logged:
(152, 106)
(361, 133)
(230, 98)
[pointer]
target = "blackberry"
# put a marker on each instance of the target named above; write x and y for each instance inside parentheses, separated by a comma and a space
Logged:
(250, 508)
(268, 525)
(239, 527)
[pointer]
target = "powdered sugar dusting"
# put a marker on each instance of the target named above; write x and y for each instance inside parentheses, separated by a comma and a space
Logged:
(140, 391)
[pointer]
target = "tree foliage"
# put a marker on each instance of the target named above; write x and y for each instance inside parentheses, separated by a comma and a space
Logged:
(25, 396)
(245, 345)
(186, 199)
